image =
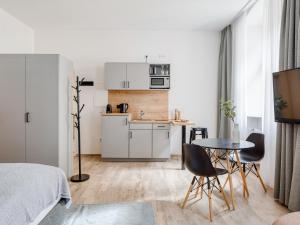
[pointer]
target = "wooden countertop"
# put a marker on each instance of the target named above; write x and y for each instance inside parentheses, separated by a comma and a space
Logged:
(171, 122)
(181, 123)
(115, 114)
(150, 121)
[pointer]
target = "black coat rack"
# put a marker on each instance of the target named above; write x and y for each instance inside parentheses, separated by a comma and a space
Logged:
(79, 177)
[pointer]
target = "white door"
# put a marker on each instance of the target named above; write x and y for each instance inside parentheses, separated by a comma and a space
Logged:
(140, 144)
(42, 105)
(138, 76)
(161, 144)
(12, 109)
(115, 76)
(114, 137)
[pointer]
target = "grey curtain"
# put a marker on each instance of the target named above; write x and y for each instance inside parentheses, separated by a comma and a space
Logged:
(287, 174)
(225, 80)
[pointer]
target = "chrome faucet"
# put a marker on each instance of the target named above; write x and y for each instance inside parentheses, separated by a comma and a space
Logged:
(141, 114)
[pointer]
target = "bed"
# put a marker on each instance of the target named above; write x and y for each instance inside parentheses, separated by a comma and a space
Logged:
(29, 191)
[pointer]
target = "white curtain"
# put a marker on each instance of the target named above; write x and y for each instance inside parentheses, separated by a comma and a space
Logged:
(271, 37)
(239, 71)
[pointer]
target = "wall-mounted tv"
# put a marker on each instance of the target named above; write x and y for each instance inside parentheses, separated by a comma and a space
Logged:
(286, 86)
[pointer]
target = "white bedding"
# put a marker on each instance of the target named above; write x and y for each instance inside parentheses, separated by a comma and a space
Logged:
(28, 189)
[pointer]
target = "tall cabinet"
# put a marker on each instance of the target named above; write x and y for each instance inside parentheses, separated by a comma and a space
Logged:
(35, 97)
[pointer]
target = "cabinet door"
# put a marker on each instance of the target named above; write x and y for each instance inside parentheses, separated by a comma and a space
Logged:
(138, 76)
(12, 109)
(114, 137)
(42, 105)
(161, 144)
(115, 76)
(140, 144)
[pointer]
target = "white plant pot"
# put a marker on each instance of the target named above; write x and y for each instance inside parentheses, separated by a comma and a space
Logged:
(236, 134)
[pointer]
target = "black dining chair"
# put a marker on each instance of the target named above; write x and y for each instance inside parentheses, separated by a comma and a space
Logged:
(198, 162)
(250, 157)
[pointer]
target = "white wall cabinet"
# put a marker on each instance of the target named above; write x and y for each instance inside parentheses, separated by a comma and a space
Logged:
(140, 144)
(115, 136)
(115, 76)
(138, 76)
(35, 94)
(126, 76)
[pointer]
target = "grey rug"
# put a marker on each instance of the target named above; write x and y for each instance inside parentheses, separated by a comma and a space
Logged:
(102, 214)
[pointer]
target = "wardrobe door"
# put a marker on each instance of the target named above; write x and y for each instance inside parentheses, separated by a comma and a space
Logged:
(12, 108)
(42, 106)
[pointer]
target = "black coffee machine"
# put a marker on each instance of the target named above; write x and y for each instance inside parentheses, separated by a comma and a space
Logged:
(123, 107)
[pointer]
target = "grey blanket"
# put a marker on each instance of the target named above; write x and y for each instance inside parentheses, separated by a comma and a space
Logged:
(27, 189)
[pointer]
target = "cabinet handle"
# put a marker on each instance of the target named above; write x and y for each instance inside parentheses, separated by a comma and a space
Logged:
(130, 134)
(124, 84)
(27, 117)
(127, 84)
(168, 134)
(161, 126)
(126, 121)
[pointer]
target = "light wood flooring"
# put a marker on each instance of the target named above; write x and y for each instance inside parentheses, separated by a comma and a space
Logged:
(164, 185)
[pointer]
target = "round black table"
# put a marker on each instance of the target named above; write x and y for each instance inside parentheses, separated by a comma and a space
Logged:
(230, 147)
(223, 144)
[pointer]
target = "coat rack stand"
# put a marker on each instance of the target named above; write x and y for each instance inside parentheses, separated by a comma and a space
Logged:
(79, 177)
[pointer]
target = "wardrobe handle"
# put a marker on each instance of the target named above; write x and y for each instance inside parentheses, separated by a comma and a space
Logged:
(27, 117)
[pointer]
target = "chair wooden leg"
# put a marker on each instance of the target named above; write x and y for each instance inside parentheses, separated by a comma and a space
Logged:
(209, 200)
(188, 192)
(200, 186)
(222, 191)
(201, 195)
(260, 178)
(226, 181)
(242, 174)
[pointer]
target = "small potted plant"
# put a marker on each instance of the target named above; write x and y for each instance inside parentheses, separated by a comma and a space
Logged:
(228, 109)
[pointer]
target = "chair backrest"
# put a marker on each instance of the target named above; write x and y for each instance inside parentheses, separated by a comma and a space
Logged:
(197, 160)
(259, 150)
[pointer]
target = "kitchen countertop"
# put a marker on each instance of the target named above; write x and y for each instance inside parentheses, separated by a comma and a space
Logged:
(171, 122)
(150, 121)
(115, 114)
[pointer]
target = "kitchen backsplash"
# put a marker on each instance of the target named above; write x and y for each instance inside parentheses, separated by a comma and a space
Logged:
(155, 104)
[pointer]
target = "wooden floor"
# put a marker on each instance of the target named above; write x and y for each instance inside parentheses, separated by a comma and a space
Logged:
(164, 186)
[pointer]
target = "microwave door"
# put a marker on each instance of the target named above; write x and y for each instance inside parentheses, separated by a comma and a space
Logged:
(157, 82)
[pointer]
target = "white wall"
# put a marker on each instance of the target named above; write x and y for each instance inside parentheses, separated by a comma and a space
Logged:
(194, 63)
(15, 37)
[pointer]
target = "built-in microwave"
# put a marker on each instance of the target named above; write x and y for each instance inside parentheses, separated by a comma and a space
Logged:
(159, 82)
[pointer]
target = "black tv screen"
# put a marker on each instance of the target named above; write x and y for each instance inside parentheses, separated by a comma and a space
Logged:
(286, 86)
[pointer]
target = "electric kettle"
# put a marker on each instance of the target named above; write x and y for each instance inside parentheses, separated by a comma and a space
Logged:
(123, 107)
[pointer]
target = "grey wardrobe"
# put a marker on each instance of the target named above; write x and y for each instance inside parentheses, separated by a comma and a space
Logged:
(35, 107)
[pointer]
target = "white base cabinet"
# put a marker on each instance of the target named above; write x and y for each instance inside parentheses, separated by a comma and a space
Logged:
(122, 140)
(161, 144)
(140, 144)
(115, 136)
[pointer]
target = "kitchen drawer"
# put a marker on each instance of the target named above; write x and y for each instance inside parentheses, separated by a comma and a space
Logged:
(161, 126)
(140, 126)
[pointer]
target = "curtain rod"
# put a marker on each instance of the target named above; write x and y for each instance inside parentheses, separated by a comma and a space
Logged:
(246, 8)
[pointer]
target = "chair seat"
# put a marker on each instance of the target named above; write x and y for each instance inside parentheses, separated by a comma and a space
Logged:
(246, 158)
(219, 171)
(199, 128)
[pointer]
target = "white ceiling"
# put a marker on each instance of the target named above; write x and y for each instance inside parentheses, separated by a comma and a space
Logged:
(124, 14)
